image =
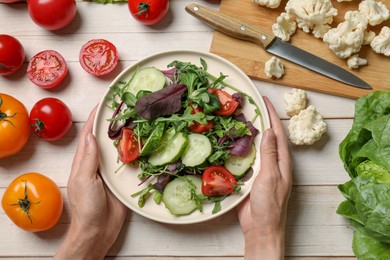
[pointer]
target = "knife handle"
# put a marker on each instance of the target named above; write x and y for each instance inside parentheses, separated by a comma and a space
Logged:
(231, 26)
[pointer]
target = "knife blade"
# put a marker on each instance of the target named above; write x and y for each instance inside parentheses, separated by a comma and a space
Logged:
(245, 31)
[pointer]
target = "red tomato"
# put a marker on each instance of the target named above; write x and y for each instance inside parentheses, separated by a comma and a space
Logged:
(227, 103)
(33, 202)
(148, 11)
(199, 128)
(128, 147)
(98, 57)
(50, 119)
(14, 128)
(52, 14)
(47, 69)
(11, 54)
(217, 181)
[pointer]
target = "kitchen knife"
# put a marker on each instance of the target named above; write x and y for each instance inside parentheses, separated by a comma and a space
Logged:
(272, 44)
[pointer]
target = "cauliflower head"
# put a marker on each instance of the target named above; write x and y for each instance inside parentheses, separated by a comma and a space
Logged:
(268, 3)
(274, 68)
(375, 11)
(307, 127)
(296, 100)
(354, 62)
(381, 43)
(284, 27)
(347, 38)
(314, 15)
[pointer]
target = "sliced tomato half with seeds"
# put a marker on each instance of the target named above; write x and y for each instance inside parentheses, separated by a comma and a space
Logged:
(217, 181)
(98, 57)
(128, 147)
(227, 103)
(47, 69)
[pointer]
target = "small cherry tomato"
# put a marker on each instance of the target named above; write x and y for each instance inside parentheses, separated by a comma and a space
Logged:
(197, 127)
(98, 57)
(128, 147)
(227, 103)
(11, 54)
(14, 127)
(33, 202)
(50, 119)
(52, 14)
(217, 181)
(47, 69)
(148, 11)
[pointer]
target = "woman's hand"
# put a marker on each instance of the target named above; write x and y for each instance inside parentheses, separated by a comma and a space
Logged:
(262, 215)
(97, 215)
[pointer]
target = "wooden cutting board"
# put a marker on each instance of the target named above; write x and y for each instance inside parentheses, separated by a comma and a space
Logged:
(251, 58)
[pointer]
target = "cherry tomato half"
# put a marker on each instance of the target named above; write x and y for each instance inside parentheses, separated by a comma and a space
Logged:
(14, 127)
(52, 14)
(47, 69)
(217, 181)
(33, 202)
(148, 11)
(50, 119)
(98, 57)
(227, 103)
(197, 127)
(128, 147)
(11, 54)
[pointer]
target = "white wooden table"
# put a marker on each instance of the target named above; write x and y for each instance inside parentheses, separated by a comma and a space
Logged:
(314, 230)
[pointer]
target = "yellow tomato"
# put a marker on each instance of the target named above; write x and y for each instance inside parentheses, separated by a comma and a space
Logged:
(33, 202)
(14, 125)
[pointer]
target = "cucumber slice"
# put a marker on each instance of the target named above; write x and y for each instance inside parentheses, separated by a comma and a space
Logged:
(238, 166)
(178, 196)
(148, 78)
(153, 141)
(199, 148)
(172, 147)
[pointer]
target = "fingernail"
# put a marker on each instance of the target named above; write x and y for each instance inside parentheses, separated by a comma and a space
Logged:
(268, 134)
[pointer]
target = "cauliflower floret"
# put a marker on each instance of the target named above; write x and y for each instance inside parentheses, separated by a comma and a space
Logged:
(375, 11)
(307, 127)
(268, 3)
(368, 37)
(284, 27)
(347, 38)
(381, 43)
(274, 68)
(315, 15)
(355, 61)
(296, 100)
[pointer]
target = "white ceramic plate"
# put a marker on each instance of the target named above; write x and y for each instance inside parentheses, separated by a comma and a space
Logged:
(125, 182)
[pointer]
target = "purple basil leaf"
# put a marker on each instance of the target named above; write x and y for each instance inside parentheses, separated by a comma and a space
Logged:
(239, 97)
(162, 181)
(160, 103)
(170, 73)
(243, 145)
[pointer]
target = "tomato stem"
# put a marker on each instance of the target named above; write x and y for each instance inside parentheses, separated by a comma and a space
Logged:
(143, 8)
(38, 126)
(4, 116)
(25, 203)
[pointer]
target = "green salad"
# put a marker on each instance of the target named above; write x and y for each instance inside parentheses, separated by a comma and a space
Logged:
(185, 132)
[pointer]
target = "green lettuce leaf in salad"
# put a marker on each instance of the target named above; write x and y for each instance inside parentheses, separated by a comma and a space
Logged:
(365, 152)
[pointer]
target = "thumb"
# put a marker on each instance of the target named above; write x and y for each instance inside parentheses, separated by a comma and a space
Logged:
(90, 162)
(268, 148)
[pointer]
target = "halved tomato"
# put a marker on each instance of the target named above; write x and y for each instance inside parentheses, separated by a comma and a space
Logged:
(98, 57)
(217, 181)
(197, 127)
(227, 103)
(47, 69)
(128, 147)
